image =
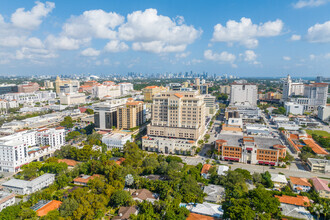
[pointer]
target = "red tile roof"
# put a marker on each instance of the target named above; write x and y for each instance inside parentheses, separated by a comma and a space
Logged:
(194, 216)
(300, 181)
(52, 205)
(85, 180)
(315, 147)
(151, 87)
(69, 162)
(120, 161)
(206, 168)
(299, 200)
(320, 184)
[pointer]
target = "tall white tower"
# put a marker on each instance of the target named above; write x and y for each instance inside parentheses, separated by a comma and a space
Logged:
(287, 88)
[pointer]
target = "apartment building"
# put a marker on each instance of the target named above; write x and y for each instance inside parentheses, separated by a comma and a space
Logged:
(150, 91)
(106, 90)
(105, 113)
(210, 104)
(6, 199)
(23, 187)
(317, 94)
(243, 94)
(225, 89)
(29, 87)
(29, 145)
(72, 98)
(30, 97)
(176, 116)
(125, 88)
(130, 115)
(59, 82)
(48, 84)
(251, 150)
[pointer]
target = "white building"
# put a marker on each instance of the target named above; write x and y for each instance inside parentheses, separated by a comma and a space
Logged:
(106, 90)
(23, 98)
(72, 98)
(6, 105)
(257, 129)
(125, 88)
(293, 108)
(210, 105)
(292, 89)
(6, 199)
(23, 187)
(323, 112)
(116, 140)
(26, 146)
(289, 125)
(243, 94)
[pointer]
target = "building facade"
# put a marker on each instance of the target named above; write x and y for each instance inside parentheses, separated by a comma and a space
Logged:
(243, 94)
(130, 115)
(178, 121)
(58, 83)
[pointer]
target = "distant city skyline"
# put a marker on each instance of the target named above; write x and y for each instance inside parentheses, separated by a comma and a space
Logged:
(261, 38)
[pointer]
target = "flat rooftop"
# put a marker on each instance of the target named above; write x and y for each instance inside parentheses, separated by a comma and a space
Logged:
(262, 142)
(319, 161)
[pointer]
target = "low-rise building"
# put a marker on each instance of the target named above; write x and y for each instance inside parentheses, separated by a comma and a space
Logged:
(208, 209)
(293, 108)
(309, 122)
(215, 193)
(83, 179)
(116, 140)
(321, 186)
(6, 199)
(23, 187)
(72, 98)
(279, 180)
(222, 169)
(124, 213)
(44, 206)
(299, 184)
(295, 212)
(294, 200)
(319, 165)
(143, 195)
(205, 171)
(323, 112)
(259, 129)
(290, 125)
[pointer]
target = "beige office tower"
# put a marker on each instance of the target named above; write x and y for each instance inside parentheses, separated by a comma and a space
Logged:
(75, 84)
(178, 121)
(130, 115)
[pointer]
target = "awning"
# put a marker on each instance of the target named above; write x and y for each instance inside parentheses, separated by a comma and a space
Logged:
(266, 162)
(249, 148)
(260, 162)
(237, 159)
(272, 163)
(226, 158)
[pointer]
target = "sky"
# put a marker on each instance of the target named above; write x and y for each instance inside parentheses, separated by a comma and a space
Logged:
(244, 38)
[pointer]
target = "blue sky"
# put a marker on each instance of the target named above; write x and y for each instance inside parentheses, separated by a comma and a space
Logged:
(244, 38)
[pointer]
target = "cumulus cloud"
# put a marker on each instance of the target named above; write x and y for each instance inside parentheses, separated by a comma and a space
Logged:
(93, 23)
(116, 46)
(90, 52)
(157, 33)
(309, 3)
(182, 55)
(65, 43)
(31, 19)
(312, 57)
(34, 54)
(286, 58)
(295, 37)
(245, 32)
(250, 56)
(220, 57)
(319, 33)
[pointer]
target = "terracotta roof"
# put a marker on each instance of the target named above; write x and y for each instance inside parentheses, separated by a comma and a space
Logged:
(248, 139)
(134, 103)
(320, 184)
(300, 181)
(299, 200)
(315, 147)
(178, 95)
(120, 161)
(52, 205)
(194, 216)
(145, 137)
(294, 136)
(82, 110)
(85, 180)
(41, 130)
(221, 141)
(151, 87)
(279, 146)
(102, 132)
(143, 194)
(59, 128)
(69, 162)
(4, 199)
(206, 168)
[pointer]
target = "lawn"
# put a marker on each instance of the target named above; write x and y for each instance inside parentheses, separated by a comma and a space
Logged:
(318, 132)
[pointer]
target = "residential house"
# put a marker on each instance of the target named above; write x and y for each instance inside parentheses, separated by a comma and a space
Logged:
(195, 216)
(222, 169)
(125, 212)
(206, 208)
(299, 184)
(69, 162)
(83, 179)
(205, 171)
(214, 193)
(45, 206)
(279, 180)
(321, 186)
(295, 207)
(143, 194)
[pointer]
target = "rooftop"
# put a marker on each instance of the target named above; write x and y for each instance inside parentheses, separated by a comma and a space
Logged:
(300, 181)
(69, 162)
(316, 161)
(298, 201)
(194, 216)
(50, 206)
(143, 194)
(278, 178)
(206, 168)
(320, 184)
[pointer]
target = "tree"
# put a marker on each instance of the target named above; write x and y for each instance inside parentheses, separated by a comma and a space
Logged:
(238, 209)
(266, 180)
(10, 212)
(68, 207)
(120, 198)
(27, 213)
(67, 122)
(90, 111)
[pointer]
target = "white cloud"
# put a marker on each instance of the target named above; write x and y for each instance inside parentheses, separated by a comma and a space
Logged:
(295, 37)
(34, 54)
(157, 33)
(182, 55)
(327, 56)
(31, 19)
(319, 33)
(250, 56)
(93, 23)
(286, 58)
(245, 32)
(312, 57)
(116, 46)
(65, 43)
(220, 57)
(309, 3)
(90, 52)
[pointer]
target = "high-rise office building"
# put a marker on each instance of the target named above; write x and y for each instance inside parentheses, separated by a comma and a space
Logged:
(317, 93)
(130, 115)
(292, 88)
(178, 121)
(64, 83)
(243, 94)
